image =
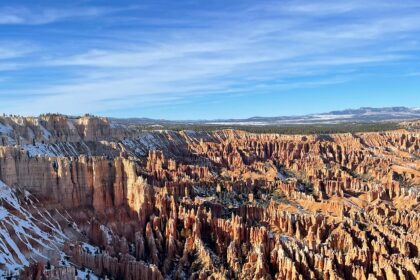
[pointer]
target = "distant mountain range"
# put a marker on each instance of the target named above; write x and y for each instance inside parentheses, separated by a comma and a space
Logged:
(364, 114)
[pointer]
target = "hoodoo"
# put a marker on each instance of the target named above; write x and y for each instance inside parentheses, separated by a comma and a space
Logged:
(85, 196)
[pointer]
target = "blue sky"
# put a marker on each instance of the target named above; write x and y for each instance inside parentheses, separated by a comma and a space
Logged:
(207, 59)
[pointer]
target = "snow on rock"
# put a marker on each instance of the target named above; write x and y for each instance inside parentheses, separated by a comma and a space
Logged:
(149, 141)
(27, 233)
(107, 232)
(164, 140)
(281, 175)
(86, 274)
(5, 129)
(51, 150)
(45, 132)
(90, 249)
(71, 125)
(116, 125)
(40, 150)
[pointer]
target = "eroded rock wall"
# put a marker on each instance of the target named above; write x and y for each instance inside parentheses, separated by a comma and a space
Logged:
(232, 204)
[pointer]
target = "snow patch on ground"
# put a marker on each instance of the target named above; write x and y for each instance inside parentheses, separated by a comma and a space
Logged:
(28, 234)
(45, 133)
(116, 125)
(331, 117)
(144, 143)
(148, 140)
(86, 274)
(41, 150)
(51, 150)
(90, 249)
(239, 123)
(5, 129)
(21, 238)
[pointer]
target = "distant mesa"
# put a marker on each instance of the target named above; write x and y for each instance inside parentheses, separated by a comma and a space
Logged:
(361, 115)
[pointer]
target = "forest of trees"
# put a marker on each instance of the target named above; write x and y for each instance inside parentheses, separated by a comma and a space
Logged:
(280, 129)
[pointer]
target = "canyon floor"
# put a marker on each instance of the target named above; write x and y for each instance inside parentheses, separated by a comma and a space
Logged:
(85, 197)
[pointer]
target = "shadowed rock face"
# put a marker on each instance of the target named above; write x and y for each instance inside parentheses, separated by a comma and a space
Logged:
(221, 205)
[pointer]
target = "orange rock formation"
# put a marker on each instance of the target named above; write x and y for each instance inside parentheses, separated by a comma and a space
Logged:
(223, 205)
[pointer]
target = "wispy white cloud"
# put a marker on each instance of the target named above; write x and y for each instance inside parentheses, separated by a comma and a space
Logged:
(20, 15)
(11, 50)
(264, 48)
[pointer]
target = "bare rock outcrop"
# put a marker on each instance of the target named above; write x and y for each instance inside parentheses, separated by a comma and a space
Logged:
(222, 205)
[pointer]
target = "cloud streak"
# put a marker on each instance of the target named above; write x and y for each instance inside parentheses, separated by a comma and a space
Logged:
(264, 47)
(21, 15)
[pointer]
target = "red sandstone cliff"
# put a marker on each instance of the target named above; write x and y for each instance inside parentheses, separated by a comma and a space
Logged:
(224, 205)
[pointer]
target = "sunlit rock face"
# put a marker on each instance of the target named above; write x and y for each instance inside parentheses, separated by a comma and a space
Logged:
(83, 196)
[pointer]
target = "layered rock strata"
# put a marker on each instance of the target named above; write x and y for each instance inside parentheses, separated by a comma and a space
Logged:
(222, 205)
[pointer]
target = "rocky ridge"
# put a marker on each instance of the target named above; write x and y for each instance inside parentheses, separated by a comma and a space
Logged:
(208, 205)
